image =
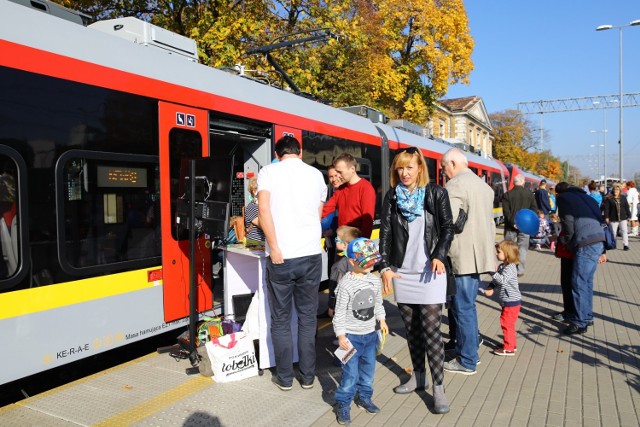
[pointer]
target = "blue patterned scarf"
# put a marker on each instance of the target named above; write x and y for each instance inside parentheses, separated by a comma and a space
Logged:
(411, 205)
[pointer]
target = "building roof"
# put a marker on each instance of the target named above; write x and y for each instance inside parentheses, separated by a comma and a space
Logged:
(459, 104)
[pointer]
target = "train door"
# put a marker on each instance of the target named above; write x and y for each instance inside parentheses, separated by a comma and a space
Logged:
(183, 135)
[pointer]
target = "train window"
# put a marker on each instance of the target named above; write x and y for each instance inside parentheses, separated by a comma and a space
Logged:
(319, 150)
(183, 145)
(432, 168)
(498, 189)
(109, 216)
(43, 117)
(11, 222)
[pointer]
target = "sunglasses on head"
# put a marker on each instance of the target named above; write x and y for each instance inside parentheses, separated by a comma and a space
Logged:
(410, 150)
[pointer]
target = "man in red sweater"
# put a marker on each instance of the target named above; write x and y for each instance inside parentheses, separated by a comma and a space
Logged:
(356, 200)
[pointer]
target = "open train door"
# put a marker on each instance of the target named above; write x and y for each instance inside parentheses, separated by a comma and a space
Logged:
(183, 135)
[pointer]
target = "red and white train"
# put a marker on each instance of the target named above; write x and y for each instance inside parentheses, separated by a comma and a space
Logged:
(96, 124)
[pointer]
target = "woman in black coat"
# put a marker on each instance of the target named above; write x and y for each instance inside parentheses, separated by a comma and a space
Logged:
(616, 213)
(415, 235)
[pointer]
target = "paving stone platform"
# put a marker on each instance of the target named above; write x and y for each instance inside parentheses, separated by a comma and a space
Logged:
(554, 380)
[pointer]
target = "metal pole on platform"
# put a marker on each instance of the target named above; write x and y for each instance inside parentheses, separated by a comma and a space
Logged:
(620, 27)
(193, 287)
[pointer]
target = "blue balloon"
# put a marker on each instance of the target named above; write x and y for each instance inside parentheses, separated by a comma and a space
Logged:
(527, 221)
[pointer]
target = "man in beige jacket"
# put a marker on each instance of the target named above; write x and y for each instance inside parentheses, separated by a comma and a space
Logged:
(472, 253)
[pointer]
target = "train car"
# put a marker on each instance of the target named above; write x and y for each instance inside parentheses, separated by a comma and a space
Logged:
(433, 149)
(97, 124)
(531, 180)
(96, 127)
(491, 171)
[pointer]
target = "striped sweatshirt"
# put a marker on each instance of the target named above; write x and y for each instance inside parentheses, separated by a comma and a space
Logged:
(506, 278)
(358, 304)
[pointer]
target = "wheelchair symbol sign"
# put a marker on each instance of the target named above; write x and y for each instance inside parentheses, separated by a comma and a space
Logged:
(191, 120)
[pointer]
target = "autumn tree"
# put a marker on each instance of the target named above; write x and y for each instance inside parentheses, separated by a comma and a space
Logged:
(394, 55)
(516, 141)
(549, 166)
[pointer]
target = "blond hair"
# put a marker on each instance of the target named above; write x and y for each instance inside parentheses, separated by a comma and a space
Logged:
(402, 159)
(347, 233)
(253, 185)
(510, 250)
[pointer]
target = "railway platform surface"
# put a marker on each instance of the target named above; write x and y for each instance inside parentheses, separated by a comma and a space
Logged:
(553, 380)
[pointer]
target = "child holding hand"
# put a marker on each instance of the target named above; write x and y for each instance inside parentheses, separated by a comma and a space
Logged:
(506, 278)
(358, 307)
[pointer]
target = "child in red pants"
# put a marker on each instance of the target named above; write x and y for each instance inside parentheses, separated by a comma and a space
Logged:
(506, 278)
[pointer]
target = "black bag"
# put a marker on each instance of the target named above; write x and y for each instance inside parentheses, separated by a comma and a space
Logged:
(451, 278)
(609, 238)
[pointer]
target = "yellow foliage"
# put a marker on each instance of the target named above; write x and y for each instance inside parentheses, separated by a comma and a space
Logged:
(395, 55)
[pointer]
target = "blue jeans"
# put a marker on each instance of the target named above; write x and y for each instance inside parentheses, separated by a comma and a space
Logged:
(466, 319)
(584, 268)
(359, 371)
(297, 280)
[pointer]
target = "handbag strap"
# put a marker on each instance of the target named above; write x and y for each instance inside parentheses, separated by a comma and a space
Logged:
(232, 342)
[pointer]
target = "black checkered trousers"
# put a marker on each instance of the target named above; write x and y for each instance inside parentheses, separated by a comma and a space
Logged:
(422, 323)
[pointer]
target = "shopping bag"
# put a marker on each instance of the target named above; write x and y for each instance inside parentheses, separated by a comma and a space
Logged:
(209, 328)
(251, 323)
(233, 357)
(610, 239)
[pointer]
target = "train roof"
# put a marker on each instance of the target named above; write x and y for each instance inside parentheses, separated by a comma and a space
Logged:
(93, 46)
(436, 146)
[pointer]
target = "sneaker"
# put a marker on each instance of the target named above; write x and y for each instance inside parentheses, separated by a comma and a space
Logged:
(538, 248)
(456, 368)
(575, 329)
(558, 316)
(503, 352)
(280, 384)
(307, 385)
(343, 414)
(626, 248)
(480, 341)
(367, 405)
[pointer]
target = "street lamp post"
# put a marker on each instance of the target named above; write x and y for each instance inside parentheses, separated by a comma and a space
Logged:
(620, 27)
(604, 145)
(597, 147)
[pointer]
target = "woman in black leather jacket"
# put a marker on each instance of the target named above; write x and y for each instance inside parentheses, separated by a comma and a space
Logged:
(415, 235)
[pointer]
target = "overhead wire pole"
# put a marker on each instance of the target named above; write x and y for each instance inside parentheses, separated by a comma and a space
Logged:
(563, 105)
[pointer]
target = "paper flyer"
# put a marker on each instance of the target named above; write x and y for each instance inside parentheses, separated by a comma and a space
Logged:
(345, 355)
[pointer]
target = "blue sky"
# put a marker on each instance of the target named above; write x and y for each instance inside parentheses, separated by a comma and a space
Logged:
(546, 50)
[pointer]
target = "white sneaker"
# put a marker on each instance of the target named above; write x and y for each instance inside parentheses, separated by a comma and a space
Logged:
(538, 248)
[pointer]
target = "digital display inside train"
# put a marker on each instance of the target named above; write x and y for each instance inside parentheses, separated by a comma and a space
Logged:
(119, 176)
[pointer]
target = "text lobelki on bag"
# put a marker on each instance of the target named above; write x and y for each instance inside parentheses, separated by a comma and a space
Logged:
(233, 357)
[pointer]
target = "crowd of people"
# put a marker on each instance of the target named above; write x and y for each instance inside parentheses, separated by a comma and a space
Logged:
(435, 243)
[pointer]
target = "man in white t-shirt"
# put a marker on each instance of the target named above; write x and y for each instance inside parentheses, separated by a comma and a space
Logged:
(291, 195)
